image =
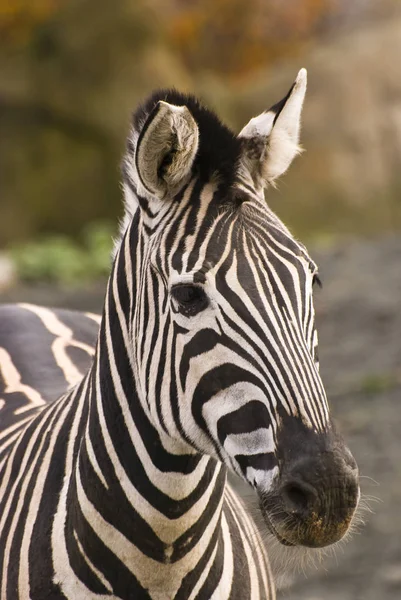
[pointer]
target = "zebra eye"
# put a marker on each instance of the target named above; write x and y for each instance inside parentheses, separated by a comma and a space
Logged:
(191, 299)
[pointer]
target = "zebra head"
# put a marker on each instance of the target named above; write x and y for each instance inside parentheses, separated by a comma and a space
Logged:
(222, 315)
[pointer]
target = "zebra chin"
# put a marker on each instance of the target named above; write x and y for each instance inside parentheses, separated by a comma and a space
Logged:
(320, 530)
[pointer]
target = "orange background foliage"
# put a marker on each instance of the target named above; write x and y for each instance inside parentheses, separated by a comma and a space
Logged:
(18, 18)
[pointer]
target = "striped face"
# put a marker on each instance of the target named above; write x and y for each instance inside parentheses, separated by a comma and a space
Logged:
(232, 343)
(224, 316)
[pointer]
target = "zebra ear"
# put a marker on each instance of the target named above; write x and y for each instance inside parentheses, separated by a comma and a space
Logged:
(271, 139)
(166, 149)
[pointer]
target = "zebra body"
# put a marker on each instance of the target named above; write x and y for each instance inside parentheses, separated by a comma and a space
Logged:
(48, 444)
(205, 361)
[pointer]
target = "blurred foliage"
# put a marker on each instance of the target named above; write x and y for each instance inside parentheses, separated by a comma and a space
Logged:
(72, 70)
(377, 383)
(19, 18)
(233, 37)
(59, 259)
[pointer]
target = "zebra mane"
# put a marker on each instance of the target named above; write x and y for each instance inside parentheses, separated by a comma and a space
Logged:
(219, 148)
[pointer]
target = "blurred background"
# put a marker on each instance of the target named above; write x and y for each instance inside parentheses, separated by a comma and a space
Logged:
(72, 71)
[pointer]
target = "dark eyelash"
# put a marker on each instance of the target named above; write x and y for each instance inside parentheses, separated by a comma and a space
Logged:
(317, 281)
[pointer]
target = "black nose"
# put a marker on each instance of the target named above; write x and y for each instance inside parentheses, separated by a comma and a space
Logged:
(315, 487)
(314, 497)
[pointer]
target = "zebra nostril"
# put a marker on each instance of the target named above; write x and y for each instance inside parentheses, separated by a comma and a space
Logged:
(299, 498)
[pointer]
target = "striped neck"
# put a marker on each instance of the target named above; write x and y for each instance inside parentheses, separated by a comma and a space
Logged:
(169, 499)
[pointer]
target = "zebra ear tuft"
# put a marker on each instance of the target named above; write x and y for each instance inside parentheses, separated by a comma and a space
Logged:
(166, 149)
(271, 139)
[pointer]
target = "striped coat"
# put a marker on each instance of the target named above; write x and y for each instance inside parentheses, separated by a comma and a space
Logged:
(115, 445)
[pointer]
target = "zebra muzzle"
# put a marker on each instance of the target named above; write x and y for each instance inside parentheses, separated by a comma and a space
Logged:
(313, 501)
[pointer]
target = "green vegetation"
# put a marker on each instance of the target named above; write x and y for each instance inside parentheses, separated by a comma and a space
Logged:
(59, 259)
(376, 383)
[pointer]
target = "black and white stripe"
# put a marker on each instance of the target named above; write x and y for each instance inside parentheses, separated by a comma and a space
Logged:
(206, 349)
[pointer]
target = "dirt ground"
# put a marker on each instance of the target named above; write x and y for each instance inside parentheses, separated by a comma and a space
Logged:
(359, 324)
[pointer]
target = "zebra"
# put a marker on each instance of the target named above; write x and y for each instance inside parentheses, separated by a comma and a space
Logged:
(113, 483)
